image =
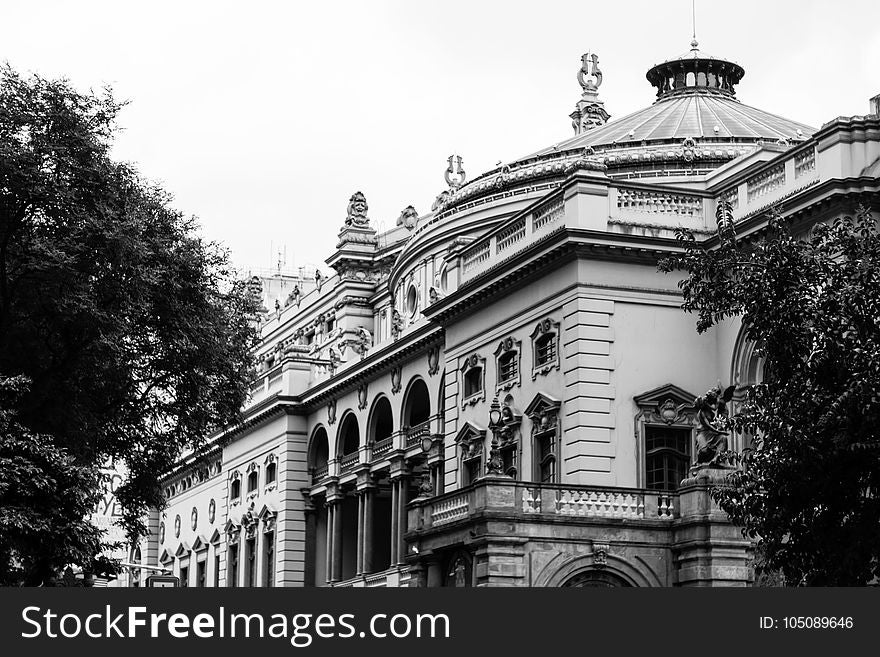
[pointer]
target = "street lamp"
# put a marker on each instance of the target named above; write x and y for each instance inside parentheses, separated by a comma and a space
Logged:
(494, 465)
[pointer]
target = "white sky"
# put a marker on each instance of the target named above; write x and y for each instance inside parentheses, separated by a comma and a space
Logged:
(262, 118)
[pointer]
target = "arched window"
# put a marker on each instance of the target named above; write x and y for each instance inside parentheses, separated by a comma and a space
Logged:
(348, 443)
(235, 489)
(417, 403)
(473, 377)
(380, 426)
(271, 470)
(507, 359)
(545, 347)
(253, 481)
(319, 454)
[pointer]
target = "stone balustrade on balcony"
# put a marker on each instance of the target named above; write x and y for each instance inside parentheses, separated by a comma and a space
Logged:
(507, 496)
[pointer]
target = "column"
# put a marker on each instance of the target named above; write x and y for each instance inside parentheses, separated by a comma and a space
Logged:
(337, 540)
(328, 565)
(310, 539)
(394, 519)
(402, 493)
(368, 530)
(359, 554)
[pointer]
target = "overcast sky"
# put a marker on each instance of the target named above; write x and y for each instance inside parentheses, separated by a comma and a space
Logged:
(262, 118)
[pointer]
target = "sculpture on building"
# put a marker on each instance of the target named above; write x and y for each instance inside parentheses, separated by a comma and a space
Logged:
(396, 323)
(357, 210)
(589, 112)
(408, 218)
(711, 438)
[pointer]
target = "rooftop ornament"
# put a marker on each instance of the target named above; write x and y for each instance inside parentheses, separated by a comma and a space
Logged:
(589, 111)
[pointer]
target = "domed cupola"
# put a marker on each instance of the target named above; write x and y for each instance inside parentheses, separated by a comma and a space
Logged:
(695, 72)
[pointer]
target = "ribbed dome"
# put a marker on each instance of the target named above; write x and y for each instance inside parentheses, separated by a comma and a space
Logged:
(698, 115)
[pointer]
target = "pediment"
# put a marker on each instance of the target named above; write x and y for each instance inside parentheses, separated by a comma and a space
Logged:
(166, 556)
(216, 537)
(541, 404)
(658, 396)
(200, 543)
(182, 550)
(470, 432)
(266, 512)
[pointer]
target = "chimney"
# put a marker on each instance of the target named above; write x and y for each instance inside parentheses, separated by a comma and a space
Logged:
(875, 105)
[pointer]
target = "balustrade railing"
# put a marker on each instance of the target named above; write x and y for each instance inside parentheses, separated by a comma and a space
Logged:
(656, 202)
(608, 503)
(450, 509)
(382, 447)
(547, 214)
(321, 472)
(804, 162)
(510, 235)
(348, 462)
(415, 434)
(547, 500)
(765, 182)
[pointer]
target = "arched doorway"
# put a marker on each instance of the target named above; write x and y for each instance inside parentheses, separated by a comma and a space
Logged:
(595, 578)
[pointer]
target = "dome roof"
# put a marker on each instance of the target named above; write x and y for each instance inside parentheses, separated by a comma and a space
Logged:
(696, 104)
(698, 115)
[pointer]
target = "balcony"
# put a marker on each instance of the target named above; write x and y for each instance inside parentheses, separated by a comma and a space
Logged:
(506, 496)
(415, 434)
(348, 462)
(382, 447)
(391, 578)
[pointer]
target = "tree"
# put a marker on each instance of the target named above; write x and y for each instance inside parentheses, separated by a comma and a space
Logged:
(807, 491)
(134, 334)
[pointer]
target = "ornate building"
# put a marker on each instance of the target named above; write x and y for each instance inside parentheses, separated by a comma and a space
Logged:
(501, 391)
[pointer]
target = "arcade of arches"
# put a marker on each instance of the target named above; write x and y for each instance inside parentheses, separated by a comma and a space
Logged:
(361, 486)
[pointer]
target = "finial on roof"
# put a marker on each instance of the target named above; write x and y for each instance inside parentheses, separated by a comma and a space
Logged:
(694, 42)
(589, 111)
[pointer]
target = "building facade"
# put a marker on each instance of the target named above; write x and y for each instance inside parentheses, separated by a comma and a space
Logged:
(500, 392)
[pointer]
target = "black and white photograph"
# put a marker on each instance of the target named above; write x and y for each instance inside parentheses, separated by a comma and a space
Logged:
(391, 294)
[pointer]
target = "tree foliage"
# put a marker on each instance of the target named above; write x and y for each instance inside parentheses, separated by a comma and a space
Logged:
(807, 491)
(134, 333)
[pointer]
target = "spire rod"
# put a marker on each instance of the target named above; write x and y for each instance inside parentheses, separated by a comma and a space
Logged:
(694, 42)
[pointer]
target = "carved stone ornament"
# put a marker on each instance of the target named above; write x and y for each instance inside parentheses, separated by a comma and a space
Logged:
(249, 522)
(357, 210)
(362, 396)
(331, 412)
(396, 323)
(319, 279)
(600, 554)
(396, 375)
(451, 173)
(433, 361)
(408, 218)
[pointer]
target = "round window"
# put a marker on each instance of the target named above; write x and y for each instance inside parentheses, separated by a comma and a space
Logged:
(412, 300)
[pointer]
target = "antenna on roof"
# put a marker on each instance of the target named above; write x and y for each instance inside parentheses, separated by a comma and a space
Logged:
(694, 42)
